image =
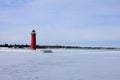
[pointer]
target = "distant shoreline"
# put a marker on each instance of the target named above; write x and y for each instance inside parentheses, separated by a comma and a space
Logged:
(18, 46)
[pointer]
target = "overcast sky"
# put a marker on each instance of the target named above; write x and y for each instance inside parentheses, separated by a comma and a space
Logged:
(61, 22)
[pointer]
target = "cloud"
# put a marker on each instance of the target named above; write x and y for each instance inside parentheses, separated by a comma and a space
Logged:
(7, 4)
(61, 13)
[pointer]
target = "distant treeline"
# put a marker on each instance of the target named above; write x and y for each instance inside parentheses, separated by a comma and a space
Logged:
(52, 47)
(15, 45)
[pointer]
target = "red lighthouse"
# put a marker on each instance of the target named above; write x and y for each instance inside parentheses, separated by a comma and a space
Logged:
(33, 40)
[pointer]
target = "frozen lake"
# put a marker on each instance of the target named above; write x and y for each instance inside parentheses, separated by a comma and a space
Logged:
(61, 65)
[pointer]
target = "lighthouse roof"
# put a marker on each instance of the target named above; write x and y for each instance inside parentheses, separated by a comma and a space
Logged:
(33, 32)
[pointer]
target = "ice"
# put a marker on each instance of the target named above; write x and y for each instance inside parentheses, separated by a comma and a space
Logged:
(62, 64)
(25, 50)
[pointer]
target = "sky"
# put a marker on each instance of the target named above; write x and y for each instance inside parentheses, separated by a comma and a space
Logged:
(61, 22)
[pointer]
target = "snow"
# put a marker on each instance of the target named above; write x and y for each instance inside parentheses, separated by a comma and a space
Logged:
(62, 64)
(25, 50)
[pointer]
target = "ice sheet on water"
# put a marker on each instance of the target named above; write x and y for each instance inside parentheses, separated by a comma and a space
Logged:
(61, 65)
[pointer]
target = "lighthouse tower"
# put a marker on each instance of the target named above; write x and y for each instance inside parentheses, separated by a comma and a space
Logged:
(33, 40)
